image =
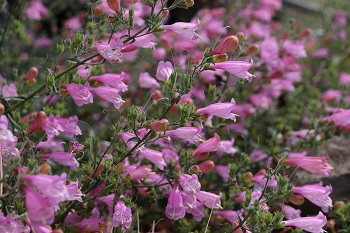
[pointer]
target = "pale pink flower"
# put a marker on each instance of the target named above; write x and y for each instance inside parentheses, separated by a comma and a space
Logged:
(147, 81)
(344, 78)
(210, 200)
(210, 145)
(80, 93)
(175, 209)
(331, 96)
(154, 156)
(164, 70)
(112, 80)
(316, 194)
(190, 134)
(9, 91)
(36, 10)
(184, 30)
(230, 215)
(64, 158)
(290, 213)
(341, 119)
(223, 110)
(122, 215)
(109, 94)
(237, 68)
(9, 225)
(310, 224)
(84, 71)
(189, 183)
(74, 192)
(226, 147)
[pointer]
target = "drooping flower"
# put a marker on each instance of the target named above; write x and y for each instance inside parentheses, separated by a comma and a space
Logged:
(310, 224)
(210, 145)
(122, 215)
(228, 44)
(109, 94)
(164, 70)
(111, 52)
(74, 192)
(64, 158)
(223, 110)
(154, 156)
(237, 68)
(290, 213)
(80, 93)
(341, 119)
(70, 126)
(185, 30)
(190, 134)
(210, 200)
(147, 81)
(112, 80)
(316, 194)
(175, 208)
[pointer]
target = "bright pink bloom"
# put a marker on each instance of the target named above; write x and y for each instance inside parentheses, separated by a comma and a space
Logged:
(84, 71)
(64, 158)
(111, 52)
(122, 215)
(344, 78)
(210, 145)
(70, 126)
(223, 110)
(74, 192)
(189, 183)
(164, 70)
(8, 142)
(9, 225)
(52, 127)
(316, 194)
(80, 94)
(290, 213)
(185, 30)
(154, 156)
(230, 215)
(112, 80)
(36, 11)
(147, 81)
(40, 212)
(141, 172)
(210, 200)
(109, 94)
(341, 119)
(237, 68)
(310, 224)
(190, 134)
(192, 206)
(331, 95)
(317, 165)
(175, 208)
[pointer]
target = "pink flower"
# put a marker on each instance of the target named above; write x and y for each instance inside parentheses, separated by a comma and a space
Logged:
(80, 94)
(84, 71)
(185, 30)
(226, 147)
(210, 200)
(111, 52)
(74, 192)
(230, 215)
(317, 165)
(190, 134)
(154, 156)
(344, 78)
(70, 126)
(223, 110)
(9, 91)
(37, 10)
(109, 94)
(189, 183)
(340, 119)
(112, 80)
(316, 194)
(223, 171)
(141, 172)
(52, 127)
(331, 95)
(147, 81)
(122, 215)
(310, 224)
(228, 44)
(296, 49)
(9, 225)
(64, 158)
(175, 208)
(192, 206)
(164, 70)
(210, 145)
(40, 212)
(290, 213)
(237, 68)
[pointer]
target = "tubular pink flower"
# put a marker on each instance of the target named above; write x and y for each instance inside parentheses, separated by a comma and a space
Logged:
(341, 119)
(80, 94)
(36, 11)
(70, 126)
(222, 110)
(112, 80)
(147, 81)
(122, 215)
(52, 127)
(210, 145)
(189, 183)
(154, 156)
(74, 192)
(316, 194)
(185, 30)
(141, 172)
(109, 94)
(290, 213)
(64, 158)
(310, 224)
(317, 165)
(190, 134)
(164, 70)
(237, 68)
(40, 212)
(210, 200)
(230, 215)
(111, 52)
(175, 208)
(228, 44)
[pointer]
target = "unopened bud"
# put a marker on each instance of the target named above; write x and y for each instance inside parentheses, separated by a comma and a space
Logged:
(247, 176)
(165, 13)
(2, 109)
(129, 48)
(98, 11)
(31, 74)
(128, 177)
(31, 82)
(195, 169)
(206, 166)
(38, 122)
(227, 45)
(45, 168)
(157, 95)
(112, 18)
(119, 168)
(220, 58)
(252, 49)
(202, 156)
(78, 37)
(159, 125)
(305, 33)
(296, 199)
(114, 5)
(185, 4)
(240, 36)
(338, 204)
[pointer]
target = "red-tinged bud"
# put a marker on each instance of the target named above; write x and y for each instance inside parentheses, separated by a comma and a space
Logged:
(305, 33)
(204, 117)
(119, 168)
(2, 109)
(38, 122)
(227, 45)
(140, 173)
(31, 82)
(157, 95)
(220, 58)
(44, 168)
(112, 18)
(57, 231)
(165, 13)
(189, 3)
(129, 48)
(97, 11)
(195, 169)
(247, 176)
(114, 5)
(240, 36)
(338, 204)
(202, 156)
(31, 74)
(128, 177)
(206, 166)
(296, 199)
(64, 92)
(252, 49)
(159, 125)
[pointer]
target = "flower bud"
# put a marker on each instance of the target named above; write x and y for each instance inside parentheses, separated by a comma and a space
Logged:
(165, 13)
(247, 176)
(195, 169)
(252, 49)
(112, 18)
(129, 48)
(159, 125)
(98, 11)
(31, 74)
(206, 166)
(128, 177)
(296, 199)
(44, 168)
(157, 95)
(38, 122)
(185, 4)
(305, 33)
(114, 5)
(202, 156)
(219, 58)
(31, 82)
(119, 168)
(240, 36)
(2, 109)
(338, 204)
(227, 45)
